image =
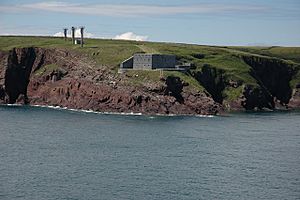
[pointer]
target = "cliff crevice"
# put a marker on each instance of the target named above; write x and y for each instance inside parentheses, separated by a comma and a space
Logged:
(274, 77)
(213, 80)
(17, 74)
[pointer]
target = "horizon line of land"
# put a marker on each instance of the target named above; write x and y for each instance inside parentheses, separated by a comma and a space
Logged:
(154, 41)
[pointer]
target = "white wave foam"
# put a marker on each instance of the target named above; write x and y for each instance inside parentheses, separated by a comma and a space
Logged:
(87, 111)
(15, 104)
(112, 113)
(207, 116)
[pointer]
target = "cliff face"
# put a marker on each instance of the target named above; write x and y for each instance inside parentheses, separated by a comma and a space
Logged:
(61, 78)
(213, 80)
(272, 91)
(18, 72)
(273, 77)
(58, 77)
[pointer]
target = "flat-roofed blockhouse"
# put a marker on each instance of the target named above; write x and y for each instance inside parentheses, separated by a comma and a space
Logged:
(149, 62)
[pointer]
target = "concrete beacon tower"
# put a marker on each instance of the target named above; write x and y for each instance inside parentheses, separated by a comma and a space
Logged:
(73, 34)
(81, 32)
(65, 33)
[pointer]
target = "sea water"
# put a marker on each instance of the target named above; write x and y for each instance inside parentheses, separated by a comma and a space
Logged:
(59, 154)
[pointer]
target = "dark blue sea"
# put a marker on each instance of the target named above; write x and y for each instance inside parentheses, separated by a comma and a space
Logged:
(59, 154)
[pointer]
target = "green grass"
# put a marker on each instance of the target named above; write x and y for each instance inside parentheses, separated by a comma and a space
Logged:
(10, 42)
(295, 81)
(46, 69)
(193, 84)
(233, 93)
(139, 77)
(147, 49)
(287, 53)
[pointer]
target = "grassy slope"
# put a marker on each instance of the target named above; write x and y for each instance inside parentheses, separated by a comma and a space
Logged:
(110, 53)
(287, 53)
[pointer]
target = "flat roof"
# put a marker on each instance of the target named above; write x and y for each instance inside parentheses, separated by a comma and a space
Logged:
(153, 54)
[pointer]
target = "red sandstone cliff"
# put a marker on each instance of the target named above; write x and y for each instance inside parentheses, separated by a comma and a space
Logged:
(77, 83)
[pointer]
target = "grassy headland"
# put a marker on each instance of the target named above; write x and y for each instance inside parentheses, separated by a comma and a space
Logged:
(225, 66)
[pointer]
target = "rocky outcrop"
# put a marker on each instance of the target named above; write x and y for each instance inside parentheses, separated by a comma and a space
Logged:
(2, 93)
(213, 80)
(295, 100)
(85, 94)
(59, 78)
(257, 98)
(273, 77)
(273, 89)
(19, 65)
(174, 88)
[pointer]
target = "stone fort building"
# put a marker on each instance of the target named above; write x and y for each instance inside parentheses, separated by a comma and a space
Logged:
(149, 62)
